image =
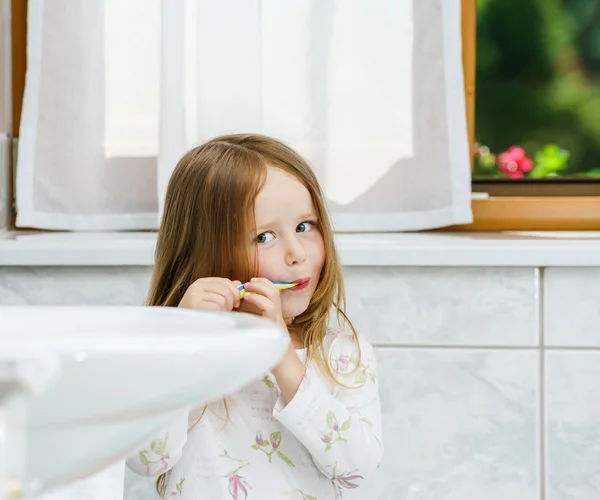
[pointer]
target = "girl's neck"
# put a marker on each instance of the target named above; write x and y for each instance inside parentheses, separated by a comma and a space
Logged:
(296, 337)
(298, 344)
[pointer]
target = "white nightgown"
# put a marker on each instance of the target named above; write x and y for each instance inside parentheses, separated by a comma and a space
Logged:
(324, 442)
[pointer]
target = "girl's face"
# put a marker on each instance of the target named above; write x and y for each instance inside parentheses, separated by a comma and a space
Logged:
(288, 243)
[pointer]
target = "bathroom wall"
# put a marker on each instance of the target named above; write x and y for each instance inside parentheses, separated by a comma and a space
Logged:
(489, 375)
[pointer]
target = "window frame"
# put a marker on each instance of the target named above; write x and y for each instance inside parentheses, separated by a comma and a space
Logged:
(17, 66)
(18, 62)
(516, 213)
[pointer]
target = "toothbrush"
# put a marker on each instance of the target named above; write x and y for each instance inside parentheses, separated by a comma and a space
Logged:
(281, 285)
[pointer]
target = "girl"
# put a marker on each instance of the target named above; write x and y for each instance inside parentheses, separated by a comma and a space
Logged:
(246, 208)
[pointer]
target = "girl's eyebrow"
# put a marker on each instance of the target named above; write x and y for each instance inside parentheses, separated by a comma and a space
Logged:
(268, 225)
(265, 226)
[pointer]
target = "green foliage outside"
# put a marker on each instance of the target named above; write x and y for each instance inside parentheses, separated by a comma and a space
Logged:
(538, 87)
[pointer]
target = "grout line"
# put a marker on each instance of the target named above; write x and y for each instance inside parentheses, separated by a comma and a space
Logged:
(455, 347)
(571, 348)
(542, 375)
(482, 347)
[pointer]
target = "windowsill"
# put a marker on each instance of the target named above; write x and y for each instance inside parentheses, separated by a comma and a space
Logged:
(529, 249)
(535, 213)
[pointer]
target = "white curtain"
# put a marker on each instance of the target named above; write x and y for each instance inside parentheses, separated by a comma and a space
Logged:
(371, 93)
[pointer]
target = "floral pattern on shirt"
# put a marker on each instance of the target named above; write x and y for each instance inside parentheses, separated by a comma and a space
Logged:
(345, 480)
(336, 431)
(324, 423)
(363, 374)
(178, 489)
(158, 449)
(238, 485)
(271, 446)
(268, 381)
(305, 496)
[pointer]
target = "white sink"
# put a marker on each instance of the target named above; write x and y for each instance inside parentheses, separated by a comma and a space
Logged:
(103, 379)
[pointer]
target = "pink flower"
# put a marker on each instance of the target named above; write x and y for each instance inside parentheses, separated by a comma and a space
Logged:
(237, 485)
(526, 164)
(275, 439)
(345, 480)
(259, 439)
(341, 363)
(514, 163)
(325, 438)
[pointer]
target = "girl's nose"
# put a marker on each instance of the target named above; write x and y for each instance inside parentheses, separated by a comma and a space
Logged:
(296, 253)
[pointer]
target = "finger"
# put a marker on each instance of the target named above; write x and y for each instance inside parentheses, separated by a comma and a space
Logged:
(266, 305)
(205, 305)
(263, 287)
(233, 286)
(262, 280)
(222, 302)
(247, 307)
(225, 281)
(224, 288)
(212, 306)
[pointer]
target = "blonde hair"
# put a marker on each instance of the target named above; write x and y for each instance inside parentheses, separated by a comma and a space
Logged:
(208, 215)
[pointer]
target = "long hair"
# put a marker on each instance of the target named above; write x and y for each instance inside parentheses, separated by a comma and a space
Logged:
(208, 215)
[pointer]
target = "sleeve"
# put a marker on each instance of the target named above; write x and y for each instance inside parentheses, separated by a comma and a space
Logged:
(160, 453)
(341, 428)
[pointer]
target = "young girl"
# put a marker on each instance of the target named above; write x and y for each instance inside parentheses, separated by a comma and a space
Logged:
(248, 209)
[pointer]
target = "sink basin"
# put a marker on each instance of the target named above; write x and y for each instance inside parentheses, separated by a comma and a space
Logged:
(106, 378)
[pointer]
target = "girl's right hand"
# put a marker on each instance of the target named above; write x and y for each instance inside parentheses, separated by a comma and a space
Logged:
(212, 294)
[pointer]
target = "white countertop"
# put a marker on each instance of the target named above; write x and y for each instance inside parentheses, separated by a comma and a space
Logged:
(543, 249)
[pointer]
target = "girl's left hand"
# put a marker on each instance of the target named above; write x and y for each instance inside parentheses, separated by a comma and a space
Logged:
(264, 299)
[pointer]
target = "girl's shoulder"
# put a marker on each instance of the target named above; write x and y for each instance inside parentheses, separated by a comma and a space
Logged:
(347, 350)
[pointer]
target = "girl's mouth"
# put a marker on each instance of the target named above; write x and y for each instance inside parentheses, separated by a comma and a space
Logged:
(301, 284)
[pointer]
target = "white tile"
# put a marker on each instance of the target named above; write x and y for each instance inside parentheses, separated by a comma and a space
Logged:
(74, 285)
(445, 306)
(573, 425)
(459, 425)
(572, 306)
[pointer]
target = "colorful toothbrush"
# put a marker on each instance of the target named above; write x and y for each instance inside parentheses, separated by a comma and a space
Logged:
(281, 285)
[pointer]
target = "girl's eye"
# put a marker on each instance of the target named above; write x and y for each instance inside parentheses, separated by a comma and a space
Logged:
(303, 227)
(264, 237)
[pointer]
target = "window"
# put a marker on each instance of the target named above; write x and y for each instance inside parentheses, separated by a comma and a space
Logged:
(565, 135)
(378, 109)
(532, 81)
(538, 89)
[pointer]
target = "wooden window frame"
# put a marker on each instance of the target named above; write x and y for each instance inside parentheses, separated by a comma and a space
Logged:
(509, 213)
(517, 213)
(18, 63)
(17, 68)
